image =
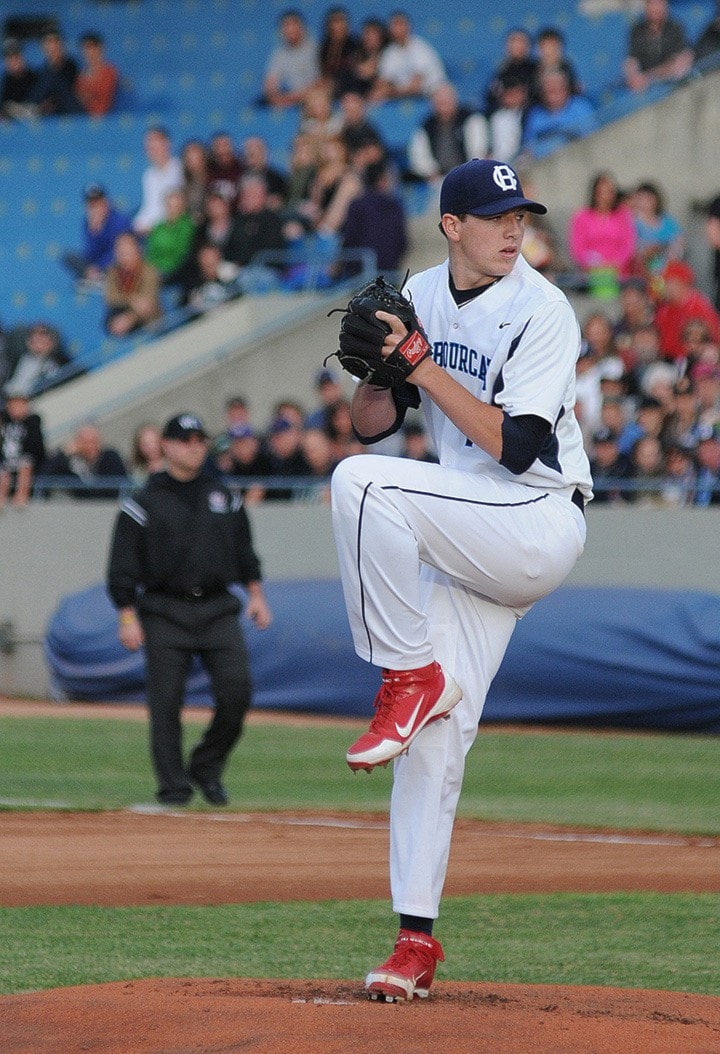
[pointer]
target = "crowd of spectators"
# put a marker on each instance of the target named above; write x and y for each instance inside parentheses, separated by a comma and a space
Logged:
(289, 457)
(61, 84)
(648, 393)
(216, 219)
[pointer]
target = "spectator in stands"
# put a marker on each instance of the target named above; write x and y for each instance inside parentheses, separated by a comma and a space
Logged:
(257, 227)
(237, 411)
(335, 185)
(550, 44)
(245, 458)
(449, 136)
(163, 174)
(195, 177)
(256, 161)
(132, 289)
(97, 83)
(648, 420)
(598, 358)
(146, 455)
(707, 486)
(297, 212)
(285, 456)
(636, 310)
(658, 48)
(36, 357)
(558, 118)
(293, 65)
(318, 452)
(362, 74)
(102, 223)
(329, 392)
(18, 81)
(507, 121)
(409, 66)
(708, 42)
(216, 282)
(22, 448)
(54, 91)
(416, 444)
(646, 466)
(602, 233)
(517, 65)
(659, 235)
(376, 220)
(337, 49)
(87, 459)
(606, 465)
(682, 301)
(225, 166)
(318, 118)
(642, 353)
(680, 482)
(170, 241)
(712, 235)
(358, 133)
(697, 345)
(681, 427)
(218, 224)
(705, 378)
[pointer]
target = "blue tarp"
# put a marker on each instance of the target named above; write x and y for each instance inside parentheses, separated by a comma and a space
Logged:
(639, 658)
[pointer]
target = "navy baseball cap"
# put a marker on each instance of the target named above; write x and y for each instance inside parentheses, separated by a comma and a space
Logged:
(183, 426)
(483, 187)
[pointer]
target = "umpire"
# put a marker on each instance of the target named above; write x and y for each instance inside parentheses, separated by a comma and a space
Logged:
(177, 545)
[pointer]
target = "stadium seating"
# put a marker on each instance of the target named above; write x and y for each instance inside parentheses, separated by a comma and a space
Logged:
(195, 66)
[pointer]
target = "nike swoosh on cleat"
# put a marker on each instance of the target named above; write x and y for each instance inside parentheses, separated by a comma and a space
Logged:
(405, 730)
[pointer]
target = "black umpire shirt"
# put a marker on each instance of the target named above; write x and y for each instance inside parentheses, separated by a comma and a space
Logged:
(181, 539)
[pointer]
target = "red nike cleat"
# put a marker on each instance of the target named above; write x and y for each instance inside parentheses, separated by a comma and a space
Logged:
(409, 971)
(407, 701)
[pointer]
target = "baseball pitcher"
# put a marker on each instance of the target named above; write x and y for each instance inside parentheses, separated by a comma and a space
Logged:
(438, 562)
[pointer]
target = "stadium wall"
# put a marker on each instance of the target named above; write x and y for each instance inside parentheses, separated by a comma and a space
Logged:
(53, 549)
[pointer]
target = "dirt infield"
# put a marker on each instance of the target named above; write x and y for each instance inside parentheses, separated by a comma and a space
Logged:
(141, 858)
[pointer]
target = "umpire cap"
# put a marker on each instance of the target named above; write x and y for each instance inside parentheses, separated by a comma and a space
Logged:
(182, 426)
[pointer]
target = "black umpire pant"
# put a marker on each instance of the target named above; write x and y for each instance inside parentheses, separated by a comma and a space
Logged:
(176, 629)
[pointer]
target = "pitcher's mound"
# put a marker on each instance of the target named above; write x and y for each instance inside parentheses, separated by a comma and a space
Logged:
(182, 1016)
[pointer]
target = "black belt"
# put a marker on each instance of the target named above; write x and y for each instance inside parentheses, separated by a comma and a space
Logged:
(577, 499)
(194, 593)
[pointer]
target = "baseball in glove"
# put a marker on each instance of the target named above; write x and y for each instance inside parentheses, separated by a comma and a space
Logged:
(362, 336)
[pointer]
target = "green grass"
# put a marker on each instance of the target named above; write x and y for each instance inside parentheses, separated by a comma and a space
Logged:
(636, 782)
(638, 940)
(627, 781)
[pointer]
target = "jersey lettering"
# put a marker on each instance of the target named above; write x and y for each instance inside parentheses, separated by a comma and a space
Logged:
(462, 359)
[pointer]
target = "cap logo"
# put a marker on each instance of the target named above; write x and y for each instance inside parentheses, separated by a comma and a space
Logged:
(189, 424)
(505, 178)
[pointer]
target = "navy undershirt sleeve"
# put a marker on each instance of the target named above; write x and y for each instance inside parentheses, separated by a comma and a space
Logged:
(522, 440)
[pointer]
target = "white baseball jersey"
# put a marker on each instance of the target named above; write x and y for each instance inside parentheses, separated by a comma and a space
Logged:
(514, 346)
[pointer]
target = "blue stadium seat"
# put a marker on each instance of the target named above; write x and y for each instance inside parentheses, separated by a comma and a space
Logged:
(196, 66)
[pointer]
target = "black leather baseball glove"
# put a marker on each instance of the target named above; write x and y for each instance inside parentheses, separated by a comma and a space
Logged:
(362, 336)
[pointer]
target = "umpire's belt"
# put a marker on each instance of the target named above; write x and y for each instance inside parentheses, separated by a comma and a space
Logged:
(195, 593)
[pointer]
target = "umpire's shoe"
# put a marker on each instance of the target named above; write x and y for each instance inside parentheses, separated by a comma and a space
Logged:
(409, 971)
(212, 791)
(407, 701)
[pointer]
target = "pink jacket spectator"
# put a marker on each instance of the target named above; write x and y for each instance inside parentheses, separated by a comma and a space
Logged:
(603, 239)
